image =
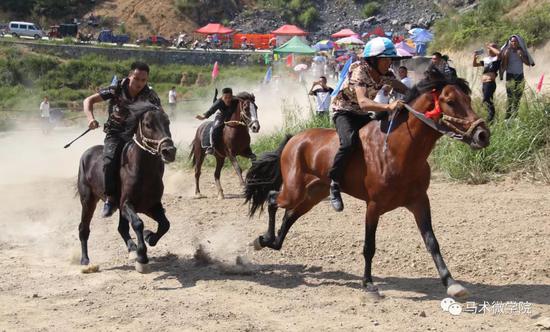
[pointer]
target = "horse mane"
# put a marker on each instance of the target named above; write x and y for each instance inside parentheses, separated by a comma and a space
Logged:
(436, 80)
(246, 95)
(137, 110)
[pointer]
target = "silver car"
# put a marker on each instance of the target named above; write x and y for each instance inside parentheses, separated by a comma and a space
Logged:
(18, 29)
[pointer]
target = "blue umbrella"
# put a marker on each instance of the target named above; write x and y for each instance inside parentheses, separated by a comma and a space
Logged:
(324, 45)
(319, 58)
(422, 36)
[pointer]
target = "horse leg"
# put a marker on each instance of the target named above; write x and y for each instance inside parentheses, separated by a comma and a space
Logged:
(217, 172)
(137, 224)
(269, 236)
(124, 231)
(157, 213)
(199, 159)
(369, 246)
(314, 193)
(422, 215)
(89, 203)
(237, 168)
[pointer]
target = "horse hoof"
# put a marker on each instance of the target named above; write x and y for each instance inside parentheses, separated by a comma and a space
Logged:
(84, 261)
(458, 291)
(142, 268)
(372, 293)
(199, 196)
(132, 255)
(221, 196)
(256, 244)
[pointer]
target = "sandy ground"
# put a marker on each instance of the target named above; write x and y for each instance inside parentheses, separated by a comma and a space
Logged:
(494, 237)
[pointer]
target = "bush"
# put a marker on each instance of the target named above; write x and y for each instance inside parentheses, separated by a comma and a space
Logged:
(489, 23)
(308, 17)
(371, 9)
(514, 146)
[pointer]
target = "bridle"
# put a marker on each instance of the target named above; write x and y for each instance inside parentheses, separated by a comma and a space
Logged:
(436, 117)
(150, 145)
(245, 120)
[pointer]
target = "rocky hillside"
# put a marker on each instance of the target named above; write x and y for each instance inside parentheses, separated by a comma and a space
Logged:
(167, 17)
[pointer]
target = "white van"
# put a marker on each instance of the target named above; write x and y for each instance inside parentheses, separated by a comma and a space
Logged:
(18, 29)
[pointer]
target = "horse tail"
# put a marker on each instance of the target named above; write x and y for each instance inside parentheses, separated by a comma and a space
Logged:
(264, 176)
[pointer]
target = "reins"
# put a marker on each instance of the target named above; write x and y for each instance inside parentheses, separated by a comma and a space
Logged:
(146, 143)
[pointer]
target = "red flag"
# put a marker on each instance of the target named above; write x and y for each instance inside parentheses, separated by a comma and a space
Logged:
(215, 71)
(289, 60)
(539, 86)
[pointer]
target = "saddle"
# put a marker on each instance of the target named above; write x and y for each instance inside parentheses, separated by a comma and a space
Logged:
(205, 139)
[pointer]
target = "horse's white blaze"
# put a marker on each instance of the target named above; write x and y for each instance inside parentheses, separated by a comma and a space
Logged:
(253, 112)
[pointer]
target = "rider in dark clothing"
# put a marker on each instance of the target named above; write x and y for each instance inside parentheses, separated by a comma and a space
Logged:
(120, 124)
(224, 109)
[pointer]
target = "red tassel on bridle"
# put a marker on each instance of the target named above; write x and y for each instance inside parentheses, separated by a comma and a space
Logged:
(436, 113)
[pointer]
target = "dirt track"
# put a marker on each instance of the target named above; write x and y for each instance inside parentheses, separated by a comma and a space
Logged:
(494, 238)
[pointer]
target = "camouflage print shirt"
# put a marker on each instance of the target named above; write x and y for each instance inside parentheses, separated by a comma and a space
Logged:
(358, 76)
(119, 101)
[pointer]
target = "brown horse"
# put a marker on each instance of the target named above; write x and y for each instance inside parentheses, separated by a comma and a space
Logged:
(141, 186)
(235, 142)
(385, 176)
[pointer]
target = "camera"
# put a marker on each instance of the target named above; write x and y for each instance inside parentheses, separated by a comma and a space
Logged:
(478, 52)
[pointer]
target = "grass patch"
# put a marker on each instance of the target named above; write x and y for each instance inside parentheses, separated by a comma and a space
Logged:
(488, 22)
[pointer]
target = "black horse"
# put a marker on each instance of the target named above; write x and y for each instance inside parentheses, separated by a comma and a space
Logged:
(141, 186)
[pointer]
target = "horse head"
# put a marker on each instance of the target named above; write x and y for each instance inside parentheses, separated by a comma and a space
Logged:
(449, 105)
(152, 132)
(249, 111)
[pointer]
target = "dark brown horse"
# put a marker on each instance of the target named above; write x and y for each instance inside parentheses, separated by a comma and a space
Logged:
(236, 141)
(141, 186)
(385, 176)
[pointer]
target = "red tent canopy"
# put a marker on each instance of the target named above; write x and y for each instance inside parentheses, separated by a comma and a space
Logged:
(343, 33)
(289, 30)
(213, 28)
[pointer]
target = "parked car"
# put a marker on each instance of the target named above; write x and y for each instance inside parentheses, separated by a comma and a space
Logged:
(154, 41)
(63, 30)
(18, 29)
(107, 36)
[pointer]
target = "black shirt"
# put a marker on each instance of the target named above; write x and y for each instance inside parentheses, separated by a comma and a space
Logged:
(227, 111)
(490, 64)
(119, 99)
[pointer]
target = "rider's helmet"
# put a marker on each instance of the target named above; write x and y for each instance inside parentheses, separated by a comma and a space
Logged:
(380, 47)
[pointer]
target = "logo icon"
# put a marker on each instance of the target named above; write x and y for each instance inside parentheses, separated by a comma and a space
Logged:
(451, 306)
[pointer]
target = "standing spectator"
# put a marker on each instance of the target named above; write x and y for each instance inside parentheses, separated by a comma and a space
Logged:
(45, 114)
(440, 64)
(172, 101)
(491, 65)
(403, 73)
(322, 95)
(45, 109)
(514, 55)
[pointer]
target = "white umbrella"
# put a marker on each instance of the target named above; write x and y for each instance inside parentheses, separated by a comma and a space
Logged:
(350, 40)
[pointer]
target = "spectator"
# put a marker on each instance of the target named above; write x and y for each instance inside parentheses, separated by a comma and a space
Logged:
(440, 64)
(403, 73)
(322, 95)
(491, 65)
(45, 109)
(172, 100)
(514, 55)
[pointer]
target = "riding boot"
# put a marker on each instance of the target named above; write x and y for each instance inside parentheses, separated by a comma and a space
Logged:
(335, 196)
(108, 208)
(210, 149)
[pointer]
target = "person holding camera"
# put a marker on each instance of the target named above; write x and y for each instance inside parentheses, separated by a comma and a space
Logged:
(491, 66)
(322, 95)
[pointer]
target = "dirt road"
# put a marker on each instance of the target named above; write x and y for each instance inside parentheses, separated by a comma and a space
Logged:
(495, 239)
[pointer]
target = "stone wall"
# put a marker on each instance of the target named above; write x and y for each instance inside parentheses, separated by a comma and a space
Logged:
(166, 56)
